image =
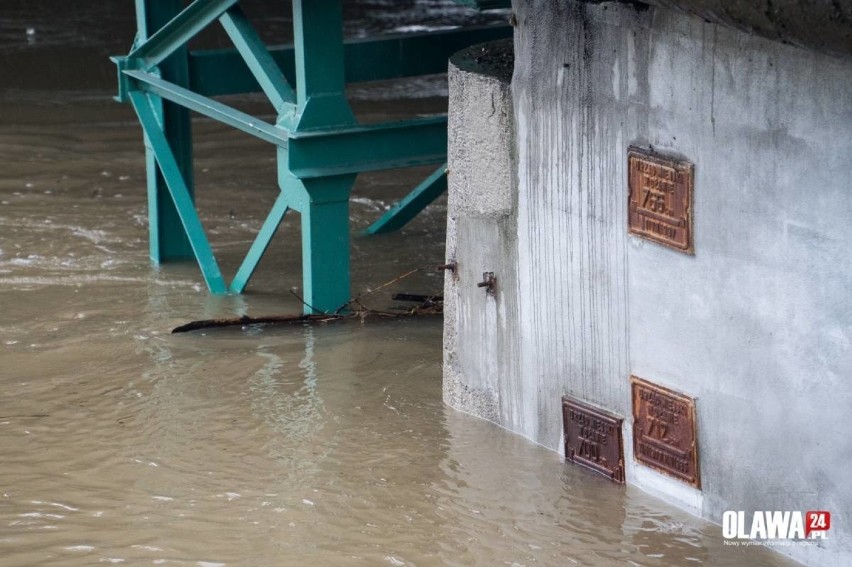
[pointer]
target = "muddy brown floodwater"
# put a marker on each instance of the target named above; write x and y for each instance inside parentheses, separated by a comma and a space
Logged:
(121, 443)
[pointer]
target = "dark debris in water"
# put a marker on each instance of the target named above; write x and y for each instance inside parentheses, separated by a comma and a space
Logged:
(354, 309)
(298, 319)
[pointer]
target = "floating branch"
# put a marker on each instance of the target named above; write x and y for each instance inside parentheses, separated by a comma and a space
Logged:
(244, 320)
(352, 309)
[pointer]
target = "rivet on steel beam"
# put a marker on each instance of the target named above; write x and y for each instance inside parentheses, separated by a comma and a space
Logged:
(488, 282)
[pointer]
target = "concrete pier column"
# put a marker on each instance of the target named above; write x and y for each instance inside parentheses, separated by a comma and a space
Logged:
(751, 321)
(480, 349)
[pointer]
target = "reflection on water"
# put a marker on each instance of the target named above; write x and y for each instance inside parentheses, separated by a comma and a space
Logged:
(121, 443)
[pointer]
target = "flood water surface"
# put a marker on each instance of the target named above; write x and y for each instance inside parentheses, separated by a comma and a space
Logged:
(304, 445)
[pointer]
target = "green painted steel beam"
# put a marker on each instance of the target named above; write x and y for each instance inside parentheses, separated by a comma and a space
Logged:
(177, 32)
(322, 106)
(405, 210)
(208, 107)
(325, 241)
(318, 153)
(320, 145)
(258, 60)
(320, 79)
(179, 192)
(223, 71)
(166, 239)
(260, 244)
(368, 147)
(318, 29)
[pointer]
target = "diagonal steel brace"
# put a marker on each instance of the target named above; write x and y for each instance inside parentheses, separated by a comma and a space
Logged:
(179, 192)
(178, 32)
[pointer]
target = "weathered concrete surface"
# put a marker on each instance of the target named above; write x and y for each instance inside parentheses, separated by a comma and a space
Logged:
(479, 333)
(757, 325)
(823, 25)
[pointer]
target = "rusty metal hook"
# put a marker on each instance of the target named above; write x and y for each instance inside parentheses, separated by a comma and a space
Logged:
(488, 282)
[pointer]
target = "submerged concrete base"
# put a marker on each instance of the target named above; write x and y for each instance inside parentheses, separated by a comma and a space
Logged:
(756, 325)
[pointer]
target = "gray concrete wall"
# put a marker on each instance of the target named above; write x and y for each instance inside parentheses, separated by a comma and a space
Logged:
(757, 325)
(823, 25)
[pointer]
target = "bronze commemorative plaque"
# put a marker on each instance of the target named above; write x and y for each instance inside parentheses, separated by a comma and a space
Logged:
(593, 438)
(664, 431)
(659, 202)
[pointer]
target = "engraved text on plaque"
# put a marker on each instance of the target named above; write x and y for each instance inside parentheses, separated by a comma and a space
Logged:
(664, 435)
(660, 199)
(593, 438)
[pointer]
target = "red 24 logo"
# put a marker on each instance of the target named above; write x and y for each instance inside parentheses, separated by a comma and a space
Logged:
(817, 521)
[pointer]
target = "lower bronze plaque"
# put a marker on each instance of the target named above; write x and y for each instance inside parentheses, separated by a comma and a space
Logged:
(593, 438)
(659, 203)
(664, 431)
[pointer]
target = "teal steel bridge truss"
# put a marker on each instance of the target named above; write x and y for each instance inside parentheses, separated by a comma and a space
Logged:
(320, 145)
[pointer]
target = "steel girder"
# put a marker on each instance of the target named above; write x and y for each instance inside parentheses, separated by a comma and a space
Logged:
(320, 145)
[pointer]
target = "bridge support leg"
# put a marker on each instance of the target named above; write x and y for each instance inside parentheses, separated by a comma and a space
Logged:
(325, 242)
(177, 191)
(321, 106)
(320, 145)
(167, 239)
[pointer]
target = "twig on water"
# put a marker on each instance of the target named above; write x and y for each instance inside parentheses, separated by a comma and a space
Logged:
(357, 299)
(303, 302)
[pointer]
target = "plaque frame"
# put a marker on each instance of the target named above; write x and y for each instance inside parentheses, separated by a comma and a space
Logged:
(665, 433)
(660, 199)
(593, 438)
